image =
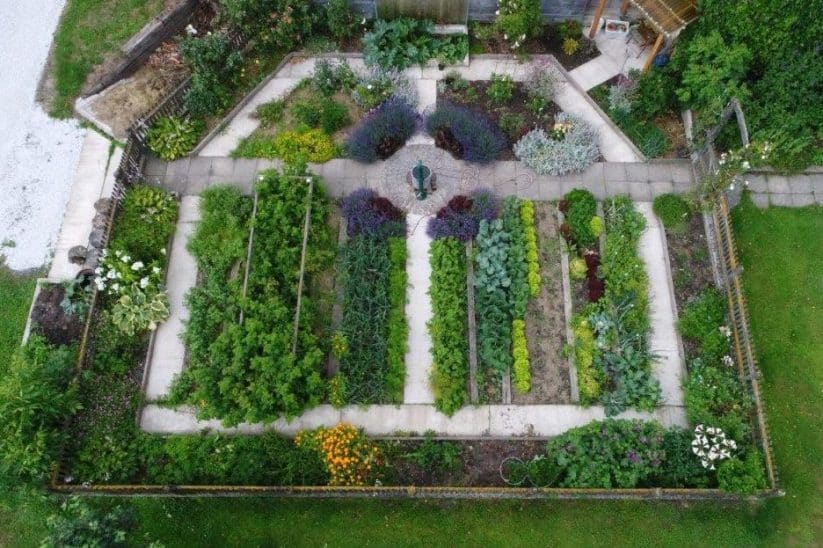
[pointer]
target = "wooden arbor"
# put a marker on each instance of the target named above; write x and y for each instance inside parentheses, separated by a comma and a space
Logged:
(667, 17)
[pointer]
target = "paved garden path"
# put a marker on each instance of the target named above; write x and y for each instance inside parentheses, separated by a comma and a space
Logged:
(387, 420)
(665, 342)
(168, 351)
(617, 55)
(418, 313)
(94, 179)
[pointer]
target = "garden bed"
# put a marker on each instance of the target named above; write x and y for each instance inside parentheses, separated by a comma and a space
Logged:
(514, 115)
(485, 40)
(546, 319)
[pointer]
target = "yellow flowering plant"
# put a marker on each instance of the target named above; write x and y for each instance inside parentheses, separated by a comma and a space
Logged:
(351, 458)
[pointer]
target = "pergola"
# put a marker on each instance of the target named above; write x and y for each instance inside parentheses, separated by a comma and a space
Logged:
(667, 17)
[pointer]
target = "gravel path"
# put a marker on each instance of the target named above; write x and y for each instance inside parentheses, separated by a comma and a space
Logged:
(38, 155)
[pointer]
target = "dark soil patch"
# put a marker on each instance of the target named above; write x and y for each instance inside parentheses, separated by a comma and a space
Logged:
(545, 319)
(475, 97)
(50, 319)
(480, 462)
(690, 264)
(548, 42)
(672, 125)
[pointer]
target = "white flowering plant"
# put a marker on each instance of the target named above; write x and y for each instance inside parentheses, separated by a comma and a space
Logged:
(519, 20)
(711, 445)
(141, 301)
(733, 165)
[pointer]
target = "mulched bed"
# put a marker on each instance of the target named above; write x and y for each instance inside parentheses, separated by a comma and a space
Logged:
(49, 319)
(546, 321)
(480, 462)
(690, 264)
(548, 42)
(475, 97)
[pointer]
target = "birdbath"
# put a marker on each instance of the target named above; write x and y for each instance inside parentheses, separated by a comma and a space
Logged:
(422, 176)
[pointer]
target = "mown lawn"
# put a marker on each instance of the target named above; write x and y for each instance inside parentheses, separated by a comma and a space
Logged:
(782, 250)
(88, 31)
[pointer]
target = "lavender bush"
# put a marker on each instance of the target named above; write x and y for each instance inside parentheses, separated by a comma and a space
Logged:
(382, 132)
(367, 213)
(379, 85)
(461, 217)
(466, 134)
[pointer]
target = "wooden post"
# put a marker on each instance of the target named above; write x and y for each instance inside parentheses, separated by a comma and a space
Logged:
(624, 7)
(597, 14)
(656, 48)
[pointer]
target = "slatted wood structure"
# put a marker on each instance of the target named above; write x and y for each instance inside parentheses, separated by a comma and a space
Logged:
(667, 17)
(442, 12)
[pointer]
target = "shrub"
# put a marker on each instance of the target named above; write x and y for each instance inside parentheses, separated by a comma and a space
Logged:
(270, 113)
(172, 137)
(350, 457)
(512, 124)
(674, 212)
(331, 77)
(715, 395)
(461, 217)
(326, 114)
(367, 213)
(448, 324)
(581, 209)
(277, 25)
(522, 370)
(341, 20)
(466, 134)
(745, 477)
(215, 66)
(570, 46)
(646, 135)
(621, 96)
(519, 20)
(574, 152)
(701, 321)
(543, 81)
(404, 42)
(220, 237)
(36, 398)
(379, 85)
(501, 88)
(295, 147)
(570, 28)
(608, 454)
(436, 456)
(382, 132)
(653, 94)
(681, 467)
(79, 524)
(144, 224)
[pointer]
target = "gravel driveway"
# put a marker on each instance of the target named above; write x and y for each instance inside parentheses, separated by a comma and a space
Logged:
(38, 155)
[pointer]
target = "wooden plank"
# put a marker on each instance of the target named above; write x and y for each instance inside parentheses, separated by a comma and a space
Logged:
(472, 324)
(597, 15)
(655, 49)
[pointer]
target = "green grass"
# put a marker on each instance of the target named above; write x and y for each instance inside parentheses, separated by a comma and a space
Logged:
(89, 31)
(784, 286)
(22, 516)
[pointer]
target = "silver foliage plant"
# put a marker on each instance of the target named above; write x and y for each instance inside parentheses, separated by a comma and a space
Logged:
(385, 83)
(544, 80)
(576, 151)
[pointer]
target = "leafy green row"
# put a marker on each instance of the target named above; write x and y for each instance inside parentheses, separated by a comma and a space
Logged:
(247, 371)
(448, 324)
(398, 326)
(532, 256)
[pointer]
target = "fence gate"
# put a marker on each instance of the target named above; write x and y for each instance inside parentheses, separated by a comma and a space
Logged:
(442, 12)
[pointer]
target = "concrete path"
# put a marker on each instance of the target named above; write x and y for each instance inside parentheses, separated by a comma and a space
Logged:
(168, 351)
(670, 369)
(773, 189)
(640, 180)
(94, 179)
(418, 313)
(505, 421)
(617, 55)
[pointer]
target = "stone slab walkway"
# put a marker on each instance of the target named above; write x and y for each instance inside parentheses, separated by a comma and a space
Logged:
(640, 180)
(505, 421)
(168, 351)
(670, 368)
(773, 189)
(94, 179)
(418, 313)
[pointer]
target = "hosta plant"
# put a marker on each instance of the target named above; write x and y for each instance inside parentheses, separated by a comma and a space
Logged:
(172, 137)
(137, 311)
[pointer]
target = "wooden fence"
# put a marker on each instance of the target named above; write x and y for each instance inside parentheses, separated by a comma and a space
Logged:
(443, 12)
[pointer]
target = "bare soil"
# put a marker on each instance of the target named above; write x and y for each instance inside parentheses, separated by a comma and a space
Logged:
(124, 102)
(51, 321)
(545, 319)
(480, 462)
(672, 125)
(475, 97)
